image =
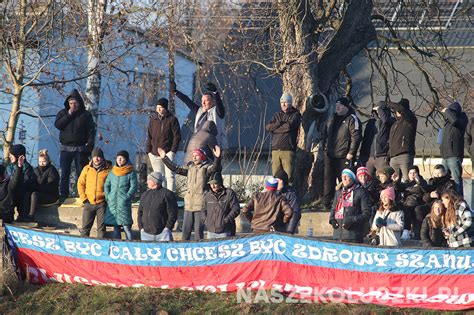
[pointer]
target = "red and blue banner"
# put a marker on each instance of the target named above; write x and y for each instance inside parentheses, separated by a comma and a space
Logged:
(264, 267)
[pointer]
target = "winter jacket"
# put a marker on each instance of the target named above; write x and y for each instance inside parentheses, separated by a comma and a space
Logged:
(28, 182)
(215, 114)
(163, 132)
(204, 139)
(452, 144)
(220, 209)
(439, 185)
(284, 128)
(8, 185)
(197, 176)
(343, 135)
(403, 131)
(90, 185)
(47, 180)
(431, 236)
(158, 209)
(353, 215)
(376, 133)
(469, 137)
(389, 235)
(462, 233)
(290, 195)
(267, 210)
(120, 187)
(77, 129)
(412, 191)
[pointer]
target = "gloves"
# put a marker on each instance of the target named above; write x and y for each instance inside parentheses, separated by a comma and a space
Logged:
(347, 222)
(173, 87)
(380, 222)
(211, 87)
(334, 223)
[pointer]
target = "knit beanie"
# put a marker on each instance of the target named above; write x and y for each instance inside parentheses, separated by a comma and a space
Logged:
(17, 150)
(363, 171)
(163, 102)
(155, 177)
(271, 184)
(349, 173)
(286, 98)
(281, 174)
(201, 153)
(343, 100)
(387, 171)
(97, 152)
(124, 154)
(405, 103)
(215, 178)
(388, 193)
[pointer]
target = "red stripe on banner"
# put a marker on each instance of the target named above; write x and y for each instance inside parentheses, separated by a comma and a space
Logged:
(441, 292)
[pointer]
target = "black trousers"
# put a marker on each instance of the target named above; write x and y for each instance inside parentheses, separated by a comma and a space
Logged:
(39, 198)
(89, 214)
(192, 219)
(420, 214)
(332, 170)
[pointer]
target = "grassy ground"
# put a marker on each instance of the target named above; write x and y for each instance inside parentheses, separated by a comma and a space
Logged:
(81, 299)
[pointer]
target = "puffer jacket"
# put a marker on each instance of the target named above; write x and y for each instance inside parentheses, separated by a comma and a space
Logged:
(284, 128)
(90, 185)
(120, 187)
(47, 180)
(355, 213)
(390, 234)
(267, 210)
(197, 177)
(452, 144)
(205, 139)
(220, 209)
(77, 129)
(344, 135)
(403, 131)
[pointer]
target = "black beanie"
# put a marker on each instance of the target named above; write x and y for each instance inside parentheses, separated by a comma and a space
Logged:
(405, 103)
(17, 150)
(124, 154)
(97, 152)
(281, 174)
(162, 102)
(344, 101)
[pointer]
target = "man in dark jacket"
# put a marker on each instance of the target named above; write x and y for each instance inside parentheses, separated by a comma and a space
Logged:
(289, 194)
(221, 207)
(158, 211)
(452, 143)
(22, 193)
(343, 136)
(268, 211)
(284, 127)
(76, 134)
(374, 147)
(8, 185)
(163, 132)
(401, 142)
(350, 210)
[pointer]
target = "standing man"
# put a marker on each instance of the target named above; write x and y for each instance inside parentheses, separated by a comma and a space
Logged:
(90, 187)
(284, 127)
(452, 144)
(163, 132)
(221, 207)
(158, 211)
(211, 109)
(401, 142)
(374, 147)
(76, 134)
(342, 143)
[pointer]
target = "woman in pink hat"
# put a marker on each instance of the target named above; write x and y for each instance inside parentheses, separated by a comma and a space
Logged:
(388, 221)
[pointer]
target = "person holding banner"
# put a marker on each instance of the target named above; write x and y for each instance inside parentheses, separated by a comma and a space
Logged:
(388, 221)
(458, 228)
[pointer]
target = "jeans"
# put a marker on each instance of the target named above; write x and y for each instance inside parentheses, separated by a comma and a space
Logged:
(193, 219)
(454, 165)
(401, 163)
(126, 228)
(164, 236)
(88, 216)
(211, 235)
(158, 166)
(65, 160)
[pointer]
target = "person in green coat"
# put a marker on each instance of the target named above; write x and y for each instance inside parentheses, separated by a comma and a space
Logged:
(120, 187)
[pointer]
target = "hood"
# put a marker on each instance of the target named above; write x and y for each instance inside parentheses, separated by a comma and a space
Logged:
(209, 127)
(455, 107)
(75, 94)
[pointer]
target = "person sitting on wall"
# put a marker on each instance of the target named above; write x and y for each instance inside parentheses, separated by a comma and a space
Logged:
(290, 195)
(432, 227)
(388, 220)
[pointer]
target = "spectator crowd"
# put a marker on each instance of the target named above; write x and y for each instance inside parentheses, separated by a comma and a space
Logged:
(372, 189)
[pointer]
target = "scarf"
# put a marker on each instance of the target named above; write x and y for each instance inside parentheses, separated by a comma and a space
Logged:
(122, 170)
(344, 200)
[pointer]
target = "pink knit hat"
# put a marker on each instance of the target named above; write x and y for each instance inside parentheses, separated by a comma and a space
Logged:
(389, 193)
(201, 153)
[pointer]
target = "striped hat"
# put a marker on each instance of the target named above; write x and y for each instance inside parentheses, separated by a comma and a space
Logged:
(363, 171)
(271, 183)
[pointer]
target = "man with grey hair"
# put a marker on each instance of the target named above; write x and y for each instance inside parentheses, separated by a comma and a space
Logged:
(158, 211)
(284, 127)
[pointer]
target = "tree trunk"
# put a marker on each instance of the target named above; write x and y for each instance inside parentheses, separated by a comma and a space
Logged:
(12, 121)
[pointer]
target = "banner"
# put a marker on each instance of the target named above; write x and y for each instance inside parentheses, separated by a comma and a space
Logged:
(265, 267)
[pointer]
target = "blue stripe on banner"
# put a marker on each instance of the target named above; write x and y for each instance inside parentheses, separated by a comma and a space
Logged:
(248, 249)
